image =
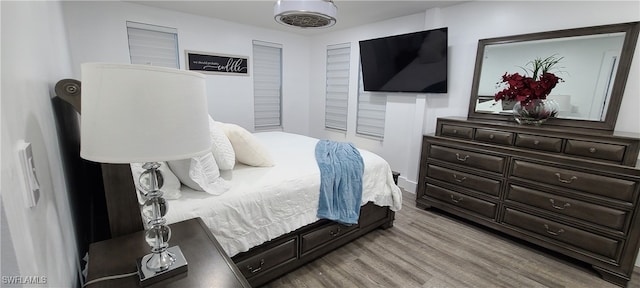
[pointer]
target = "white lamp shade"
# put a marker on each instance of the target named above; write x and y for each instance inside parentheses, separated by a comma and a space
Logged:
(139, 113)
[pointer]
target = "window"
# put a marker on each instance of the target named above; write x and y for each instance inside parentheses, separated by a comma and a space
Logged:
(153, 45)
(267, 85)
(337, 86)
(371, 112)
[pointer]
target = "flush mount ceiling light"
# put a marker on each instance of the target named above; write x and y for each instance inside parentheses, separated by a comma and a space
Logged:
(306, 13)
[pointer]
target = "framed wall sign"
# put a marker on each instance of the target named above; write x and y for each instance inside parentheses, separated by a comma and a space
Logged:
(217, 63)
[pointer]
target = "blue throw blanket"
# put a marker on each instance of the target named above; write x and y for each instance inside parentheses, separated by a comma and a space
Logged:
(341, 169)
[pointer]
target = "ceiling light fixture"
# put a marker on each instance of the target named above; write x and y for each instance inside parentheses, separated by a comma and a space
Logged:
(306, 13)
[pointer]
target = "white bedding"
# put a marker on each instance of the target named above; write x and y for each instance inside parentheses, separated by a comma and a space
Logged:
(266, 202)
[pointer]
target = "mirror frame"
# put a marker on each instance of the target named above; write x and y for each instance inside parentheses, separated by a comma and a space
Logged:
(631, 36)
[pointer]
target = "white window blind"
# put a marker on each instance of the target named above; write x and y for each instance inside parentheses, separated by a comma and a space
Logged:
(267, 85)
(372, 108)
(153, 45)
(337, 86)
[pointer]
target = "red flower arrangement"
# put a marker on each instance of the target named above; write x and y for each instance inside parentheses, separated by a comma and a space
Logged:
(524, 88)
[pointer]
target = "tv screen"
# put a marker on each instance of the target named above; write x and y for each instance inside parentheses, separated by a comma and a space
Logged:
(413, 62)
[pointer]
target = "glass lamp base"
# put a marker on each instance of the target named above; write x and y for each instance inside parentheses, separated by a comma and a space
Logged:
(148, 277)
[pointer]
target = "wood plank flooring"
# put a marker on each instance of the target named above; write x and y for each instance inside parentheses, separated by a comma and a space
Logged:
(428, 248)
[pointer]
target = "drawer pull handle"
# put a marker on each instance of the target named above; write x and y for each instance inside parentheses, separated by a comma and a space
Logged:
(554, 233)
(553, 204)
(335, 234)
(462, 159)
(593, 150)
(459, 180)
(565, 180)
(491, 136)
(256, 270)
(453, 198)
(536, 142)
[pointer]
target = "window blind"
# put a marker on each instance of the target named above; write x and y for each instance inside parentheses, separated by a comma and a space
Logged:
(372, 108)
(267, 85)
(153, 45)
(337, 86)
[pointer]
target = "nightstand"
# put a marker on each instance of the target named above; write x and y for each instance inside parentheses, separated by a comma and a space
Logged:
(208, 264)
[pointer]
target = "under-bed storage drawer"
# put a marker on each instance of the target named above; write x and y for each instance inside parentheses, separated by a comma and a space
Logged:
(568, 235)
(324, 235)
(372, 213)
(271, 258)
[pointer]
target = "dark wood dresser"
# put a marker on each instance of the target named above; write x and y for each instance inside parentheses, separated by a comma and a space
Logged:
(569, 190)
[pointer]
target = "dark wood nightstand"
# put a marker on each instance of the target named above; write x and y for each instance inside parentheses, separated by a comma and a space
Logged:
(208, 264)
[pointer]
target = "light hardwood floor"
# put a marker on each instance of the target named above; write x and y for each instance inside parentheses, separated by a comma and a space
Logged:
(431, 249)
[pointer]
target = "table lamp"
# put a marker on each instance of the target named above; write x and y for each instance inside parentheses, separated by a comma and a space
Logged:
(145, 114)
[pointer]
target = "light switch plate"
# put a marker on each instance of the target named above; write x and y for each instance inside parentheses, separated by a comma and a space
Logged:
(32, 191)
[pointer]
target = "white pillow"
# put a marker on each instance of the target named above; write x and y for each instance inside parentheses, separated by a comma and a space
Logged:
(171, 186)
(200, 173)
(247, 147)
(221, 148)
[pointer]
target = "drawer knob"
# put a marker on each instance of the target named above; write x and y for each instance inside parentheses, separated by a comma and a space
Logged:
(536, 142)
(462, 159)
(454, 199)
(593, 150)
(336, 233)
(565, 180)
(455, 131)
(492, 136)
(554, 233)
(553, 204)
(459, 180)
(256, 270)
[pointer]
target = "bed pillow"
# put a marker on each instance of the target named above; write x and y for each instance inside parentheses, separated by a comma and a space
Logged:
(171, 186)
(200, 173)
(247, 147)
(222, 149)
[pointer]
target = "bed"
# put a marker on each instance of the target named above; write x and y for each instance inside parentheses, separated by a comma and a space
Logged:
(261, 252)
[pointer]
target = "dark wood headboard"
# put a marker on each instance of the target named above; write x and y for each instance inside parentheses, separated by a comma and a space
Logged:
(111, 184)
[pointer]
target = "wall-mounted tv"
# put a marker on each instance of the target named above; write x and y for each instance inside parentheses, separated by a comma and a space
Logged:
(414, 62)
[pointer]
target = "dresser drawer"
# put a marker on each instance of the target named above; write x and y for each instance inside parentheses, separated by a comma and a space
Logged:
(543, 143)
(494, 136)
(604, 216)
(475, 182)
(572, 236)
(596, 150)
(261, 263)
(457, 131)
(615, 188)
(324, 235)
(475, 205)
(466, 158)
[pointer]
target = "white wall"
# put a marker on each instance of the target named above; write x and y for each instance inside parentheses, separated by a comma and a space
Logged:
(34, 58)
(97, 33)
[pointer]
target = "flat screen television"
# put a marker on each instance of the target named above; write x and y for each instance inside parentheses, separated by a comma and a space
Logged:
(414, 62)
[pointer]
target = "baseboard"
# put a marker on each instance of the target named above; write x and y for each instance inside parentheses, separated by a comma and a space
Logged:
(407, 185)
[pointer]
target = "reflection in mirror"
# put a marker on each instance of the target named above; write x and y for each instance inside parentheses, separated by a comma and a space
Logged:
(587, 68)
(594, 66)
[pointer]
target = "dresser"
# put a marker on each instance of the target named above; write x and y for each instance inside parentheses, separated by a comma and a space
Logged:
(573, 191)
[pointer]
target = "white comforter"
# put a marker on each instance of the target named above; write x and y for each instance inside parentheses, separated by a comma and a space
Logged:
(266, 202)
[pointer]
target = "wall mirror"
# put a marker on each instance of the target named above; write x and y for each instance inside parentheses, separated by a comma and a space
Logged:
(595, 65)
